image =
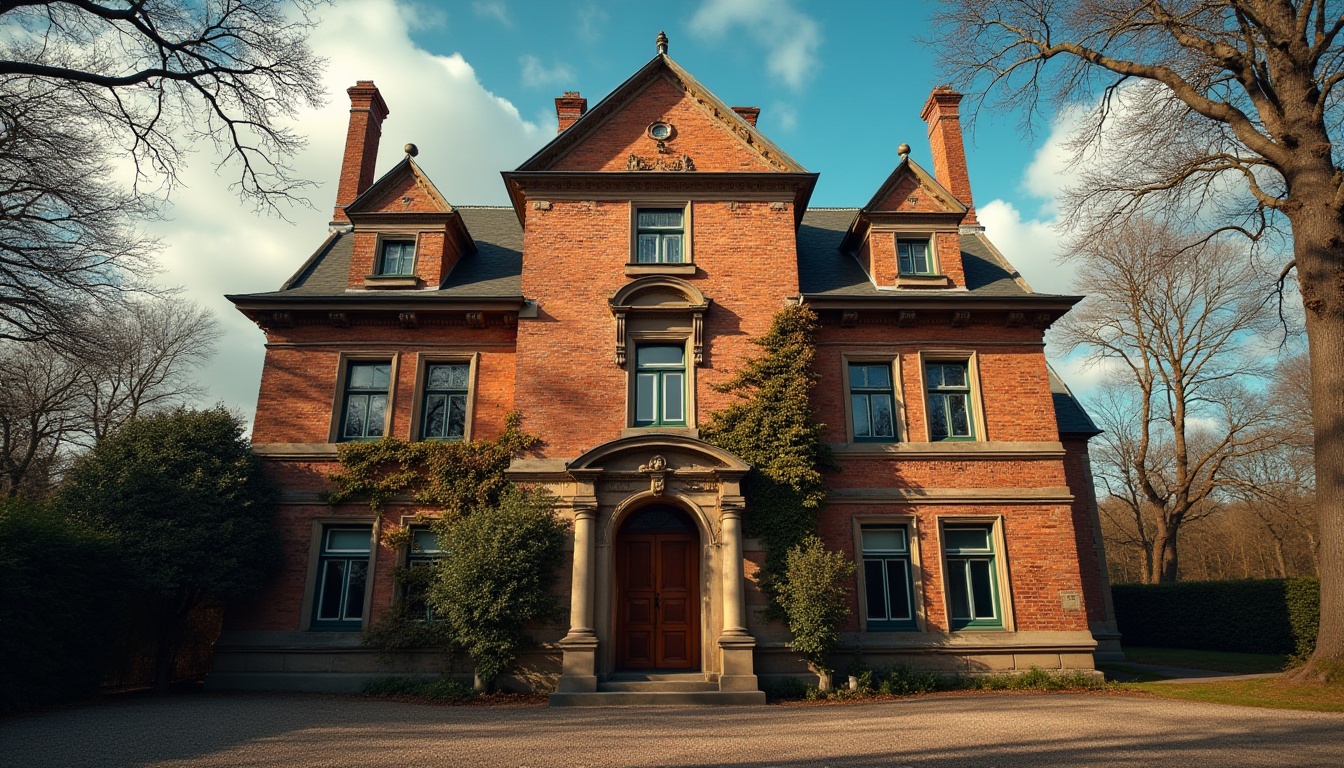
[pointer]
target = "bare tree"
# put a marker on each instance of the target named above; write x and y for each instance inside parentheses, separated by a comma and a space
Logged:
(85, 86)
(1171, 319)
(41, 410)
(1240, 98)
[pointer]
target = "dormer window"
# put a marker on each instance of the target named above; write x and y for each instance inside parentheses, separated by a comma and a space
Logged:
(912, 257)
(396, 258)
(660, 235)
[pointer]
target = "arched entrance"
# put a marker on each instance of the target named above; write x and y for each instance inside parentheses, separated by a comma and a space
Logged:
(657, 590)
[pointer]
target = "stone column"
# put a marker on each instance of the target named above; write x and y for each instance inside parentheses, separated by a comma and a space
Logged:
(578, 671)
(736, 643)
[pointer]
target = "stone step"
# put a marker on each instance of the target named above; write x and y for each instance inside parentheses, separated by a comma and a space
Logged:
(657, 686)
(628, 677)
(655, 699)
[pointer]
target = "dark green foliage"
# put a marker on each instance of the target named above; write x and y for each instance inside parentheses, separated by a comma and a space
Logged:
(814, 594)
(1034, 679)
(498, 576)
(439, 690)
(189, 509)
(404, 627)
(1253, 616)
(899, 681)
(454, 477)
(59, 584)
(771, 428)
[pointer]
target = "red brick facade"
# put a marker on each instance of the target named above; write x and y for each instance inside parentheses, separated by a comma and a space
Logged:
(548, 305)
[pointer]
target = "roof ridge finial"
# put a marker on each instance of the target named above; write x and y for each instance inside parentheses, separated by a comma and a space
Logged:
(662, 43)
(903, 151)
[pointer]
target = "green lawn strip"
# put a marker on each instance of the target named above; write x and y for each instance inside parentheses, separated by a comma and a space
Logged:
(1218, 661)
(1269, 692)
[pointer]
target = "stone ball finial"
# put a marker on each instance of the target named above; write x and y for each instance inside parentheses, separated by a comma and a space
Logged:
(903, 150)
(412, 150)
(662, 42)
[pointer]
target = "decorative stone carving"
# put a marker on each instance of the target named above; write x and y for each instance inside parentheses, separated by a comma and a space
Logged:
(660, 295)
(339, 319)
(656, 469)
(849, 318)
(960, 318)
(671, 163)
(906, 318)
(408, 320)
(475, 319)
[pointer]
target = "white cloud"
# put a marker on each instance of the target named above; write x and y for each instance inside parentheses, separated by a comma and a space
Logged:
(791, 36)
(493, 9)
(785, 115)
(1030, 245)
(536, 75)
(591, 21)
(215, 245)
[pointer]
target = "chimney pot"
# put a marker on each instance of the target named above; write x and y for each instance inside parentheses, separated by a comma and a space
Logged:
(750, 114)
(568, 109)
(948, 148)
(367, 112)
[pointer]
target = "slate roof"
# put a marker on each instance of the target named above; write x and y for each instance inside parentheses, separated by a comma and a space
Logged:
(1072, 418)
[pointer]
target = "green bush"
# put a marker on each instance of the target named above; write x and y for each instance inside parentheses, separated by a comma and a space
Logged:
(59, 590)
(815, 597)
(1278, 616)
(1034, 679)
(441, 689)
(498, 576)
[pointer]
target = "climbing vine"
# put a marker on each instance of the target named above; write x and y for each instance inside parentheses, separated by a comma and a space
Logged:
(772, 428)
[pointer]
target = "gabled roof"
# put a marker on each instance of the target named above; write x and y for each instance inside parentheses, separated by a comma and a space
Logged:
(661, 65)
(391, 180)
(905, 169)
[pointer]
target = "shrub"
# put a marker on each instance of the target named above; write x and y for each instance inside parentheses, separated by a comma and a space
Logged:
(58, 604)
(1277, 616)
(441, 689)
(904, 681)
(498, 576)
(815, 597)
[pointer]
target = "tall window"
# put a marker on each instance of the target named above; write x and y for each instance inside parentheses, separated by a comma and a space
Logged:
(445, 403)
(912, 257)
(420, 556)
(972, 581)
(660, 385)
(397, 257)
(659, 235)
(365, 407)
(949, 397)
(887, 584)
(872, 402)
(342, 572)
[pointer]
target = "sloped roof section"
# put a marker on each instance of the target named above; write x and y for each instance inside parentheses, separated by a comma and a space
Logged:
(407, 172)
(906, 169)
(1069, 413)
(661, 66)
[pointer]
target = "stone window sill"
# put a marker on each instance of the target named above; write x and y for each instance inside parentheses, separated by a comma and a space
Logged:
(636, 270)
(385, 282)
(923, 281)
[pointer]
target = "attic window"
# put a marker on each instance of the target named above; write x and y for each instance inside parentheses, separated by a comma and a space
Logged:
(912, 257)
(396, 258)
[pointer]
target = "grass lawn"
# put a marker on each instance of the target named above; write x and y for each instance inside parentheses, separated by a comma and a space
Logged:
(1219, 661)
(1263, 692)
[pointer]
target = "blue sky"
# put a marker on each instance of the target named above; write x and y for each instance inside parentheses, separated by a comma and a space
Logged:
(473, 83)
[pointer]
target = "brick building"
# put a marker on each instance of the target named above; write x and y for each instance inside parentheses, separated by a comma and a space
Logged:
(644, 248)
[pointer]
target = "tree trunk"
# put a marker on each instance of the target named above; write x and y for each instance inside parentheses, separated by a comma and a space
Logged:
(1167, 561)
(1318, 243)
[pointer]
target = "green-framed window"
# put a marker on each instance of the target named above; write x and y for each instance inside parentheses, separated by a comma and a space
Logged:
(396, 258)
(421, 555)
(364, 406)
(948, 388)
(444, 403)
(872, 402)
(912, 257)
(342, 574)
(972, 577)
(888, 586)
(660, 385)
(660, 235)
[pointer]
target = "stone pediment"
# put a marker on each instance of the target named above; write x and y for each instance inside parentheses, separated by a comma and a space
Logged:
(648, 454)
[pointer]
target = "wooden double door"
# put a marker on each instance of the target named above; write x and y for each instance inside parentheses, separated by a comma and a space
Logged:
(657, 591)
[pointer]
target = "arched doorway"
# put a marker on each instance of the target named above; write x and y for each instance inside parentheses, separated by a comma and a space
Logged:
(658, 590)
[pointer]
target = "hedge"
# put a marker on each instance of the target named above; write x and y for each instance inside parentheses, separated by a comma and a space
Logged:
(1251, 616)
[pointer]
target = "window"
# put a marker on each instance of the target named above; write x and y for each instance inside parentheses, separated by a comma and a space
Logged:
(397, 258)
(887, 584)
(420, 556)
(659, 233)
(912, 257)
(660, 385)
(872, 402)
(948, 386)
(342, 572)
(364, 410)
(445, 401)
(972, 581)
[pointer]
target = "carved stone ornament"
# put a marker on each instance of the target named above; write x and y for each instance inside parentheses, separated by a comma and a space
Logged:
(677, 163)
(656, 469)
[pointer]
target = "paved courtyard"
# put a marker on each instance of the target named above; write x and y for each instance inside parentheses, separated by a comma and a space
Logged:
(298, 731)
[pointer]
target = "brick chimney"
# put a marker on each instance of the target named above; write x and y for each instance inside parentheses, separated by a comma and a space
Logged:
(949, 152)
(367, 112)
(750, 114)
(569, 108)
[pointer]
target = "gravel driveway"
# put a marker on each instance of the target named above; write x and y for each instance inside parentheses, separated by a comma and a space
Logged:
(301, 730)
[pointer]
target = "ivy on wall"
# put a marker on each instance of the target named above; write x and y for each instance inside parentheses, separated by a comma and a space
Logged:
(771, 427)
